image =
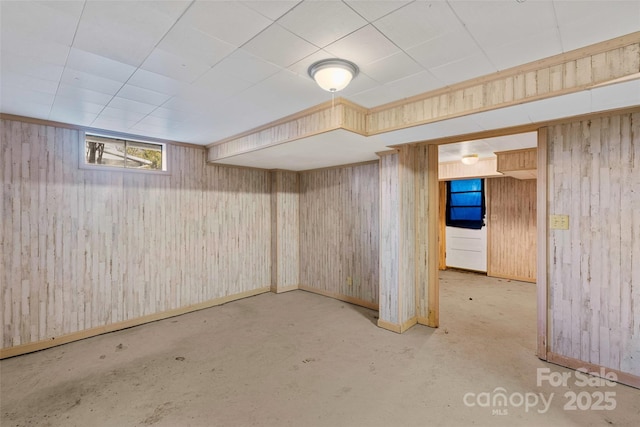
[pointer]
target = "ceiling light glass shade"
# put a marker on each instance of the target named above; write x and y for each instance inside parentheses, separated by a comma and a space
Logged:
(470, 159)
(333, 75)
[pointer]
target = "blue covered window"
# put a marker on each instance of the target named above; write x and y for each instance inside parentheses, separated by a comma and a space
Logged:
(465, 203)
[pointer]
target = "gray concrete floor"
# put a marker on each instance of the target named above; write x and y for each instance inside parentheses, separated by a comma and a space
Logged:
(300, 359)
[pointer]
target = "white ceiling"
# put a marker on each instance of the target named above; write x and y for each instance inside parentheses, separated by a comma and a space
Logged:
(200, 71)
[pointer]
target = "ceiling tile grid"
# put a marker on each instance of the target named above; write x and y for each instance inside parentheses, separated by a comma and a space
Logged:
(200, 70)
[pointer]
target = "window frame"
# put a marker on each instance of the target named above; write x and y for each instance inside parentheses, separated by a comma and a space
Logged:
(90, 166)
(470, 224)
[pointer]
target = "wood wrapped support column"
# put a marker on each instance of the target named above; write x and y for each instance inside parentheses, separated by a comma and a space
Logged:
(404, 230)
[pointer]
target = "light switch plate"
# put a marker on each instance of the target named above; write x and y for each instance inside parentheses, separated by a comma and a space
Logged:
(559, 222)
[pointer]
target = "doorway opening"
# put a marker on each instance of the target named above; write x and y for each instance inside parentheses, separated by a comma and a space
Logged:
(490, 272)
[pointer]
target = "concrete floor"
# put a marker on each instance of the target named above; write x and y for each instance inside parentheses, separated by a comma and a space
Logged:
(300, 359)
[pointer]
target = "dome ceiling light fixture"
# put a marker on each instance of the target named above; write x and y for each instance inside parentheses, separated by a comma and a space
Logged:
(470, 159)
(333, 74)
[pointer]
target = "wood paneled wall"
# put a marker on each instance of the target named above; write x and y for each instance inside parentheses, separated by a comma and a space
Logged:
(511, 228)
(594, 266)
(285, 231)
(339, 232)
(85, 248)
(485, 168)
(389, 240)
(408, 239)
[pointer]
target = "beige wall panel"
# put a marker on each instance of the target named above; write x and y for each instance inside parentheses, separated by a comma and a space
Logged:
(485, 168)
(389, 238)
(408, 231)
(594, 266)
(519, 84)
(339, 231)
(87, 248)
(511, 220)
(514, 160)
(285, 229)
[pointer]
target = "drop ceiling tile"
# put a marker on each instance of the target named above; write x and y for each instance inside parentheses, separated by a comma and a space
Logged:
(62, 103)
(413, 85)
(83, 95)
(363, 47)
(112, 124)
(419, 22)
(168, 113)
(394, 67)
(193, 102)
(444, 49)
(515, 19)
(66, 115)
(90, 81)
(220, 85)
(300, 94)
(109, 28)
(42, 50)
(373, 10)
(374, 97)
(520, 51)
(246, 67)
(51, 21)
(581, 22)
(194, 45)
(153, 129)
(177, 67)
(321, 22)
(301, 67)
(232, 22)
(361, 83)
(156, 82)
(158, 122)
(279, 46)
(10, 79)
(121, 115)
(13, 93)
(467, 68)
(272, 9)
(29, 66)
(129, 105)
(139, 94)
(99, 65)
(22, 107)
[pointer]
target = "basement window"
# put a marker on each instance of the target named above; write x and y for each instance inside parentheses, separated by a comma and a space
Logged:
(465, 204)
(104, 152)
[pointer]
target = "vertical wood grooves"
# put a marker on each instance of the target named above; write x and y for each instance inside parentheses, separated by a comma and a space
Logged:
(86, 249)
(594, 267)
(285, 230)
(542, 274)
(433, 318)
(339, 210)
(511, 228)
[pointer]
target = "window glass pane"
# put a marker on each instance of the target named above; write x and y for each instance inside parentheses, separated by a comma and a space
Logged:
(465, 204)
(119, 153)
(105, 152)
(144, 156)
(466, 185)
(466, 199)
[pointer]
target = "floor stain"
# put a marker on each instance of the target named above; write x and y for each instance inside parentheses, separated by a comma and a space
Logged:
(159, 413)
